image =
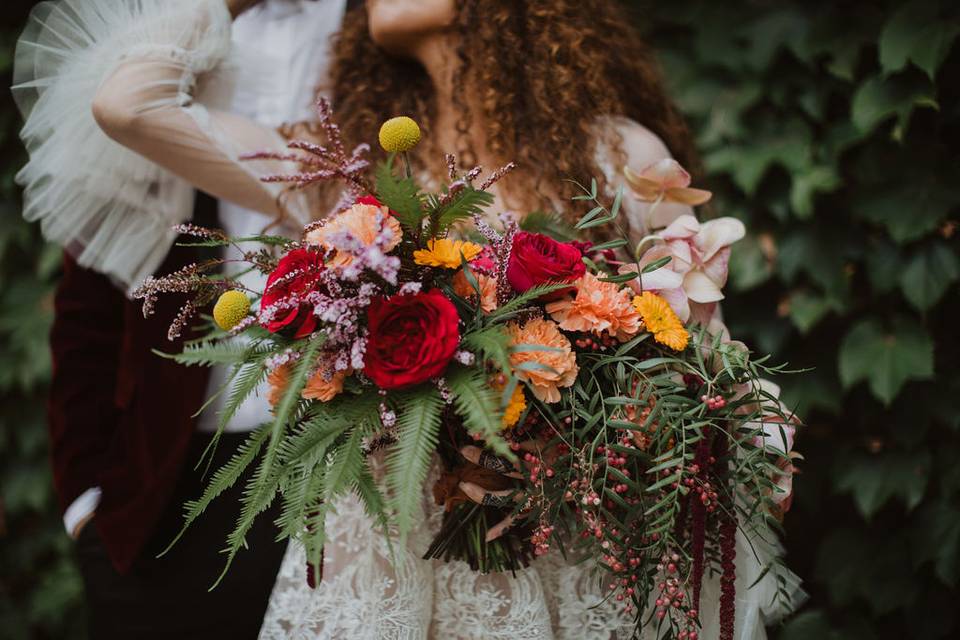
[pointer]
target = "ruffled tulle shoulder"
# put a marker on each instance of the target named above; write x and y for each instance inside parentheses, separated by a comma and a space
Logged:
(109, 207)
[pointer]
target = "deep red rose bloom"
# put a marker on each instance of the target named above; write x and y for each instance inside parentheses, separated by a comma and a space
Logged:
(538, 259)
(373, 201)
(412, 338)
(308, 265)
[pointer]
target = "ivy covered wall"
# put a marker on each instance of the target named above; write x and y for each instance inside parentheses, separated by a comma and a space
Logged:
(831, 129)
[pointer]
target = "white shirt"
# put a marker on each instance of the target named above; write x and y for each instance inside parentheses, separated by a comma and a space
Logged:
(282, 60)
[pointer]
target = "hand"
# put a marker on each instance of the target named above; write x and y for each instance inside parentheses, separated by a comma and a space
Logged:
(236, 7)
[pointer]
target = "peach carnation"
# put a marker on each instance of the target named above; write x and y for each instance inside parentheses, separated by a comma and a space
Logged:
(555, 367)
(365, 222)
(597, 307)
(488, 289)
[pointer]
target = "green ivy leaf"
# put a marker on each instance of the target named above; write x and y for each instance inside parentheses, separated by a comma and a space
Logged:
(887, 359)
(807, 309)
(749, 266)
(909, 209)
(929, 274)
(884, 265)
(917, 33)
(875, 480)
(881, 98)
(807, 185)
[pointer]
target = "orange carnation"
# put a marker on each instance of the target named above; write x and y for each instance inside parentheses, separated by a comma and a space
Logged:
(324, 385)
(364, 222)
(488, 289)
(278, 379)
(557, 366)
(597, 307)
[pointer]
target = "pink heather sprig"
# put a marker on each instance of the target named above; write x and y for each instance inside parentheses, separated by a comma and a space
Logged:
(465, 358)
(189, 229)
(497, 175)
(186, 313)
(445, 392)
(184, 280)
(357, 352)
(329, 162)
(287, 356)
(503, 250)
(243, 325)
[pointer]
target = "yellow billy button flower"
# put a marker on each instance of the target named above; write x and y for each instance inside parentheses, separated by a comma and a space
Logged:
(446, 253)
(231, 309)
(515, 408)
(399, 134)
(661, 321)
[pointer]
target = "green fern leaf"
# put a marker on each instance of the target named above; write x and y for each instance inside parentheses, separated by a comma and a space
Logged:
(465, 204)
(263, 485)
(549, 223)
(401, 195)
(419, 415)
(478, 405)
(492, 343)
(224, 478)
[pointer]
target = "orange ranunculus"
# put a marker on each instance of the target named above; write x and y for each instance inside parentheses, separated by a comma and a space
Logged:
(597, 307)
(488, 289)
(556, 366)
(365, 222)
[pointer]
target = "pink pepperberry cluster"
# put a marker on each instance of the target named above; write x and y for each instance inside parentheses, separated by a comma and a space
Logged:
(595, 342)
(714, 403)
(672, 599)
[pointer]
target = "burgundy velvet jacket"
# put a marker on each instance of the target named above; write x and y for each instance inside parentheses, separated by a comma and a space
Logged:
(119, 415)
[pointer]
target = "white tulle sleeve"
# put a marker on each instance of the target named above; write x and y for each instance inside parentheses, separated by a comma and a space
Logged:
(120, 127)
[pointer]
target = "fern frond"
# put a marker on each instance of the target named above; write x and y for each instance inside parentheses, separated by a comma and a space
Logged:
(224, 478)
(263, 485)
(549, 223)
(528, 297)
(478, 405)
(419, 415)
(465, 204)
(492, 343)
(400, 194)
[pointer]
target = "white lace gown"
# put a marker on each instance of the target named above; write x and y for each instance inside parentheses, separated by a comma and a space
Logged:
(154, 67)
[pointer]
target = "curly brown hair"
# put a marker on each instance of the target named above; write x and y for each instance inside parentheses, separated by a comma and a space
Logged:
(543, 71)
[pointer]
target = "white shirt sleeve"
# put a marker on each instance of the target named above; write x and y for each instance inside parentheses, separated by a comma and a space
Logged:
(84, 505)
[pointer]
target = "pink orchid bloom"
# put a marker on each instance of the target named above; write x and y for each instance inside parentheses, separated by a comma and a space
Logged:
(693, 280)
(665, 181)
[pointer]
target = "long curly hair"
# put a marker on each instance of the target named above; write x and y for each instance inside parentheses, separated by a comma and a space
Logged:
(543, 71)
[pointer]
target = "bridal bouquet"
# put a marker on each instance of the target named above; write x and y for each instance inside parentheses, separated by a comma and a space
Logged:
(571, 395)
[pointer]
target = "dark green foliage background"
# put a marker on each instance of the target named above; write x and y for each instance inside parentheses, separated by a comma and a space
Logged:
(831, 129)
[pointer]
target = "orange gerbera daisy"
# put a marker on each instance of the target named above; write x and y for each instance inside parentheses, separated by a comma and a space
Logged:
(661, 321)
(488, 289)
(365, 222)
(597, 307)
(556, 366)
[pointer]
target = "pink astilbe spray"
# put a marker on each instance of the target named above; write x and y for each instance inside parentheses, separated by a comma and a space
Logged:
(322, 163)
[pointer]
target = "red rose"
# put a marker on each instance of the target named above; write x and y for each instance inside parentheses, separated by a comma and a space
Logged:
(538, 259)
(412, 338)
(298, 273)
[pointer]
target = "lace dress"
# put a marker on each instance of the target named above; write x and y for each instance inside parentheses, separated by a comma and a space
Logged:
(109, 190)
